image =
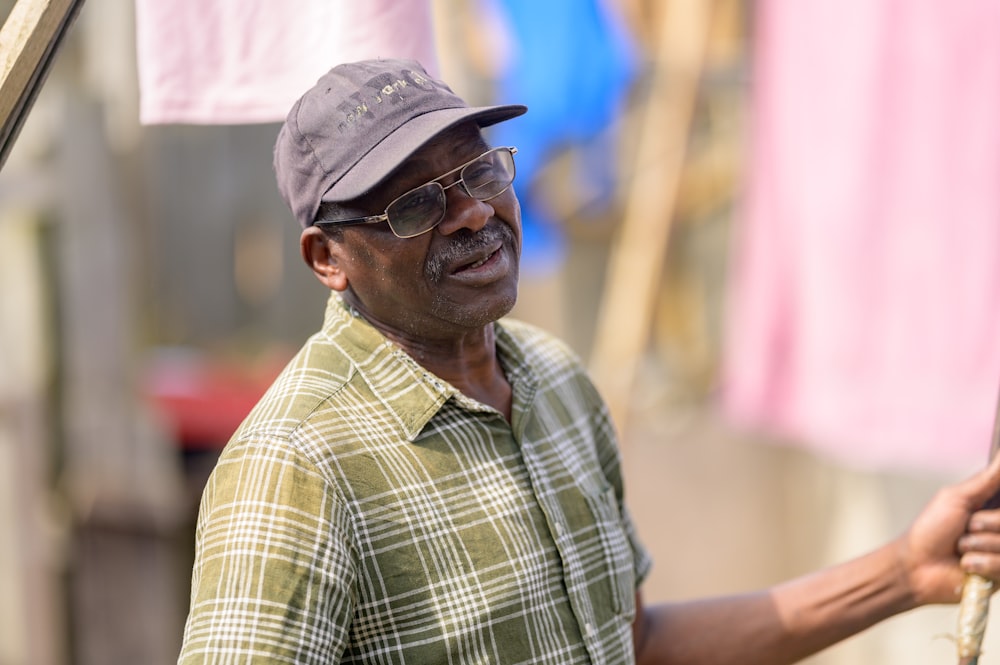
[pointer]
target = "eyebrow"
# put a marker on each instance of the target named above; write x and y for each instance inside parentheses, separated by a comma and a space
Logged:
(409, 172)
(406, 172)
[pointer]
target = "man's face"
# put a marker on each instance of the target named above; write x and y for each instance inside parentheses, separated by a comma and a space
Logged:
(454, 279)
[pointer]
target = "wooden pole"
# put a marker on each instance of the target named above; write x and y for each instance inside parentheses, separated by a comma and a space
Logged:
(636, 262)
(29, 40)
(974, 609)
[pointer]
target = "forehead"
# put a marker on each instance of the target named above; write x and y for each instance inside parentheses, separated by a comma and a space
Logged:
(439, 155)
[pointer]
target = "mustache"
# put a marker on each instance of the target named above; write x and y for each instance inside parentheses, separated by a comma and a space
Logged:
(464, 243)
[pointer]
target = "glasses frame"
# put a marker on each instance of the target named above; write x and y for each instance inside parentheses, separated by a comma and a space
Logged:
(384, 217)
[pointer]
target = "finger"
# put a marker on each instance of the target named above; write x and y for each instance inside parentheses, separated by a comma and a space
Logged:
(985, 520)
(980, 563)
(979, 542)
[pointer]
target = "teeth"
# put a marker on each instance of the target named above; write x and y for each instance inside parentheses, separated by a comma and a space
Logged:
(472, 266)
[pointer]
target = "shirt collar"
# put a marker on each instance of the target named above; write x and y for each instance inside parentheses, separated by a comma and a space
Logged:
(411, 393)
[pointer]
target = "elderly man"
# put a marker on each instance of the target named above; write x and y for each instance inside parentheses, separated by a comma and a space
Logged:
(426, 483)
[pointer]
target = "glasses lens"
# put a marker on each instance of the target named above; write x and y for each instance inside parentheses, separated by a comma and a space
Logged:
(416, 211)
(489, 175)
(421, 209)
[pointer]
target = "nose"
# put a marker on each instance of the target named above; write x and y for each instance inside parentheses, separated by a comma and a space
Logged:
(464, 212)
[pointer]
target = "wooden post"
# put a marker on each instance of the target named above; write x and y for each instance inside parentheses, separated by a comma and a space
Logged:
(31, 621)
(636, 263)
(29, 39)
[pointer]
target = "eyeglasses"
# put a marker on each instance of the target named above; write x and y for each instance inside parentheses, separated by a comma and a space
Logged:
(422, 208)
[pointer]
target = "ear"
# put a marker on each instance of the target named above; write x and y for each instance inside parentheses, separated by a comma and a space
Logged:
(324, 257)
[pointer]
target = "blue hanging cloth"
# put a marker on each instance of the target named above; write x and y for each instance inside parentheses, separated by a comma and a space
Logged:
(571, 63)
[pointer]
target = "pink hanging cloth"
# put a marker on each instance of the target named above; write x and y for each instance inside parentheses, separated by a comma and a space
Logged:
(864, 312)
(247, 61)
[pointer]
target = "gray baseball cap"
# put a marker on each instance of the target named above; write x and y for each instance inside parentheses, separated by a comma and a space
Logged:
(358, 124)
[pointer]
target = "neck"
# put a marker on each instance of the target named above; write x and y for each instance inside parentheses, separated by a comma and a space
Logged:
(468, 362)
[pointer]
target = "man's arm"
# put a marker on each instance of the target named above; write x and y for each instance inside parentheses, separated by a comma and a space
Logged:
(273, 577)
(792, 620)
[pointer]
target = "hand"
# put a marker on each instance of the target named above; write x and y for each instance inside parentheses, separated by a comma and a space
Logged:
(952, 537)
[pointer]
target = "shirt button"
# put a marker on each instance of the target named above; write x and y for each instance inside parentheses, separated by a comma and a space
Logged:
(589, 629)
(560, 529)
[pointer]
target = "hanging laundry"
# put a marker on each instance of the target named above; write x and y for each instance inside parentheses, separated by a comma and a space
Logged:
(247, 61)
(864, 317)
(570, 62)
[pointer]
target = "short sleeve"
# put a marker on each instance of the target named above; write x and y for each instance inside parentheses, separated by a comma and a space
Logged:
(275, 568)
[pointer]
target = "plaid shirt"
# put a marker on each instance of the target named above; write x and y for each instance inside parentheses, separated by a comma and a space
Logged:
(368, 512)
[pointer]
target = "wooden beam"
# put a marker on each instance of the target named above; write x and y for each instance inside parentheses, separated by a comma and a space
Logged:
(29, 40)
(635, 265)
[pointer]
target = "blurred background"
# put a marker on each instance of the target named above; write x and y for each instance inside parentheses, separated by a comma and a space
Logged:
(769, 227)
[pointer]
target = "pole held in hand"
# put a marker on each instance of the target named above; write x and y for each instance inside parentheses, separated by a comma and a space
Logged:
(974, 609)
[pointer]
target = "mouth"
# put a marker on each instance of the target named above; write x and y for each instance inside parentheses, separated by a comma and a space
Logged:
(478, 261)
(474, 258)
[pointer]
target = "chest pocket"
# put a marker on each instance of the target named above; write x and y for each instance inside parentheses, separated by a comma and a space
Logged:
(602, 546)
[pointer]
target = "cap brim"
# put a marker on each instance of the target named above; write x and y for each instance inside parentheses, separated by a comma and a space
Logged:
(390, 153)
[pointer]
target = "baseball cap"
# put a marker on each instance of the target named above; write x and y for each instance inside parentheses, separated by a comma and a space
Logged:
(358, 124)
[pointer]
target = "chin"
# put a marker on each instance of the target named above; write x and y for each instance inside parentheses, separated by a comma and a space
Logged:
(504, 302)
(505, 309)
(480, 313)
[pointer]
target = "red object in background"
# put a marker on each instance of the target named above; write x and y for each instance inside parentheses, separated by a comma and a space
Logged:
(202, 400)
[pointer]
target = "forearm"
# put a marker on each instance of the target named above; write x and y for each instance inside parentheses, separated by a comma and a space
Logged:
(783, 624)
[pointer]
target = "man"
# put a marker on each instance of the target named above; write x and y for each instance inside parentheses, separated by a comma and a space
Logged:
(427, 484)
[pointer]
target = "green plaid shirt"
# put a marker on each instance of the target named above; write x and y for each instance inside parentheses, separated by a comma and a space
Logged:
(368, 512)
